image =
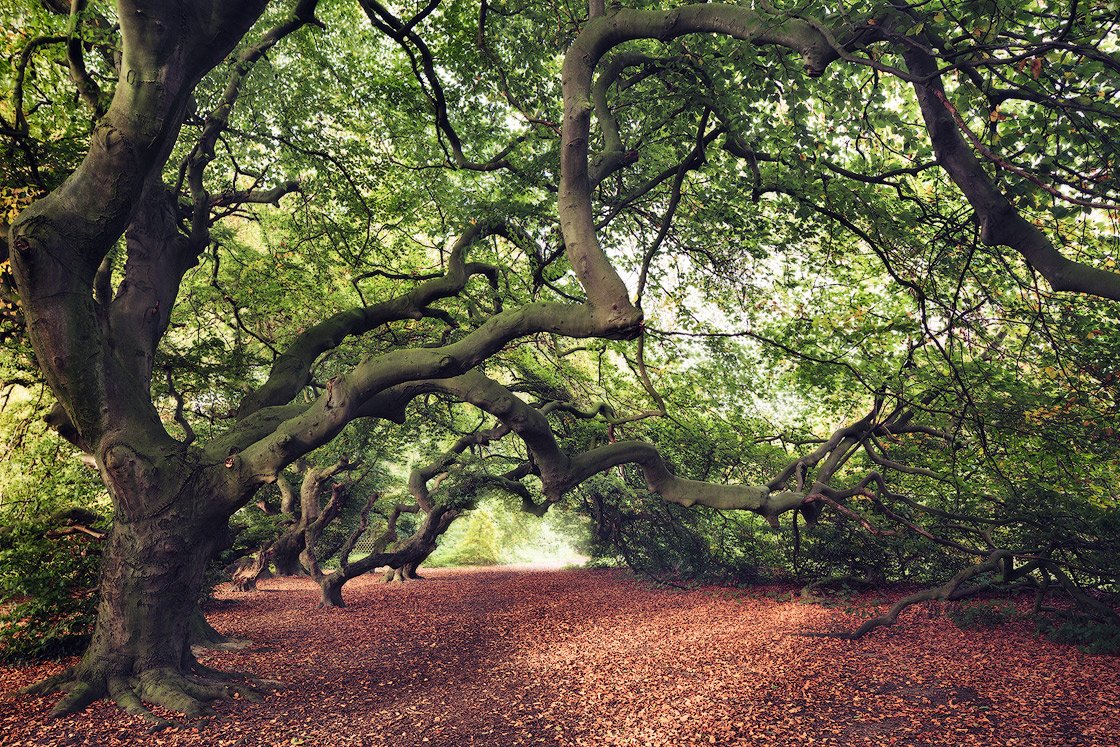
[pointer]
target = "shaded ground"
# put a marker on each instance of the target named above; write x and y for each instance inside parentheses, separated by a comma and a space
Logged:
(512, 657)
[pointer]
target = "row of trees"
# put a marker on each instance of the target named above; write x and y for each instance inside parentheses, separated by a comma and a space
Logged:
(853, 262)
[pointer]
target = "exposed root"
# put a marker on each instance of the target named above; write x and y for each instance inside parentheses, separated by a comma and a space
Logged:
(189, 693)
(204, 636)
(123, 693)
(247, 683)
(201, 670)
(167, 688)
(207, 690)
(50, 684)
(230, 644)
(246, 692)
(224, 688)
(78, 695)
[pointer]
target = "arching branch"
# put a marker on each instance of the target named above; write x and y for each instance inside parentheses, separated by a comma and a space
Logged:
(946, 592)
(292, 369)
(1000, 223)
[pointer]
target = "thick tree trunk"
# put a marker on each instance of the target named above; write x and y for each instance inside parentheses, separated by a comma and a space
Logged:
(414, 556)
(331, 587)
(410, 569)
(153, 574)
(286, 552)
(249, 570)
(151, 579)
(96, 351)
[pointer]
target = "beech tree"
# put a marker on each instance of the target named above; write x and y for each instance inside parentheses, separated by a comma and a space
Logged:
(300, 510)
(722, 132)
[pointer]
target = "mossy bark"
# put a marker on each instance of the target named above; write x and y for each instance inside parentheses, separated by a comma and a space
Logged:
(96, 349)
(153, 574)
(152, 577)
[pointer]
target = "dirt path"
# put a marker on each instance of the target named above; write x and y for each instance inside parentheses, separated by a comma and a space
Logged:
(506, 657)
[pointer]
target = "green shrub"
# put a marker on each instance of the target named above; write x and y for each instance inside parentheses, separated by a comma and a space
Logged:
(48, 594)
(1091, 636)
(496, 532)
(47, 586)
(980, 615)
(471, 540)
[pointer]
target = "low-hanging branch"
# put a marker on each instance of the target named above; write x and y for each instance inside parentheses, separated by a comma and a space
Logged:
(949, 591)
(302, 509)
(292, 369)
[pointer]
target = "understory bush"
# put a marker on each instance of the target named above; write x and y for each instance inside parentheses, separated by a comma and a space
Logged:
(1091, 636)
(47, 591)
(980, 614)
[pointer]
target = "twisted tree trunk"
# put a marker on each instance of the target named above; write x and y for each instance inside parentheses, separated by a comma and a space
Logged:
(250, 569)
(153, 575)
(402, 560)
(286, 550)
(96, 350)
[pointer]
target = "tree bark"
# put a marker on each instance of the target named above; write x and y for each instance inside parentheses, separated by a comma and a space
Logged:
(171, 505)
(152, 577)
(286, 552)
(249, 570)
(402, 561)
(331, 588)
(411, 569)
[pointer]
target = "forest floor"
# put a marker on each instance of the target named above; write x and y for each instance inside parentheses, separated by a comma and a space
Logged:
(503, 657)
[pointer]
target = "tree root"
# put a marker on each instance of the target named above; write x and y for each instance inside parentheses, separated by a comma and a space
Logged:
(51, 684)
(78, 695)
(230, 644)
(189, 693)
(220, 675)
(250, 683)
(394, 575)
(204, 636)
(124, 695)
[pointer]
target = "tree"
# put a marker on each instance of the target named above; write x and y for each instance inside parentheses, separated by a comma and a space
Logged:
(1029, 76)
(302, 511)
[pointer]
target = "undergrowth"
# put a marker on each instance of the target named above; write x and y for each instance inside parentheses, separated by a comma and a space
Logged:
(1091, 636)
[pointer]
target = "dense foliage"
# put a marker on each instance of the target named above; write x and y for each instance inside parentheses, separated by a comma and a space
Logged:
(48, 568)
(857, 262)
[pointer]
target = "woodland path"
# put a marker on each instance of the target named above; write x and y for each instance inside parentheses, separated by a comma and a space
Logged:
(503, 657)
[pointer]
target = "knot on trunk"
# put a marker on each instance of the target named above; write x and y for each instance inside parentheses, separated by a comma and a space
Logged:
(120, 462)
